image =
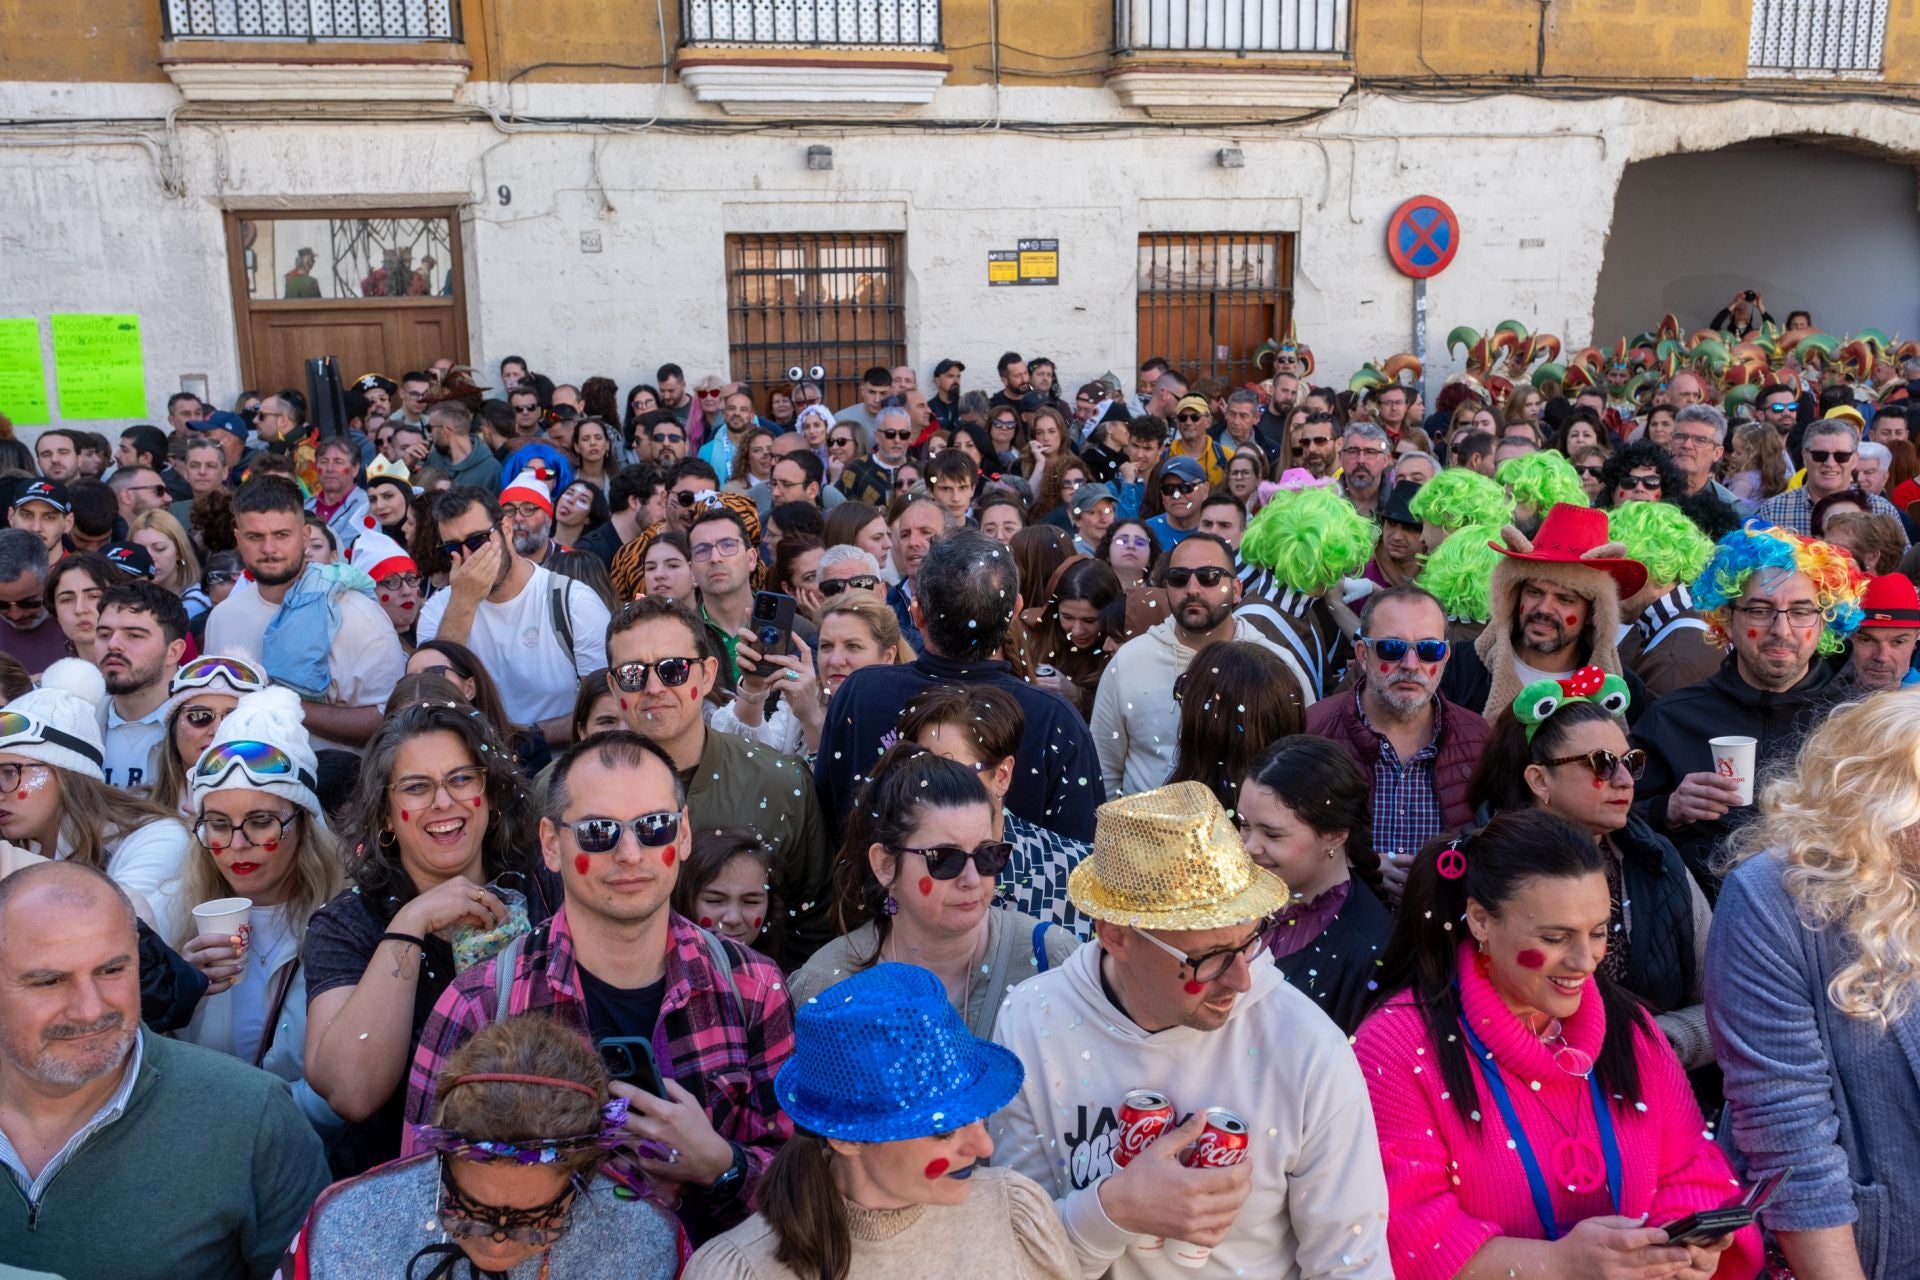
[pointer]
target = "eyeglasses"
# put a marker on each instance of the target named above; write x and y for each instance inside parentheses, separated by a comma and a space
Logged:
(840, 442)
(663, 437)
(10, 774)
(460, 785)
(463, 1217)
(896, 435)
(1212, 966)
(401, 581)
(1604, 764)
(202, 672)
(467, 545)
(1761, 616)
(1589, 473)
(725, 549)
(602, 835)
(1687, 439)
(261, 763)
(1313, 442)
(947, 861)
(673, 672)
(1780, 406)
(1211, 575)
(1355, 451)
(858, 582)
(1830, 455)
(1186, 417)
(1649, 483)
(31, 604)
(263, 830)
(1393, 649)
(1177, 488)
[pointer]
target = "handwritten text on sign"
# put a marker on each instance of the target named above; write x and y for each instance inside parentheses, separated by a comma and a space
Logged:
(98, 367)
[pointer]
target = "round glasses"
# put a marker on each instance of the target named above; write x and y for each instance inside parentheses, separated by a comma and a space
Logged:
(1605, 764)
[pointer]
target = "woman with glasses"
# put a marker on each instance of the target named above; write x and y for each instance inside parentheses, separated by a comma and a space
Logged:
(846, 445)
(1245, 470)
(643, 399)
(1006, 438)
(514, 1181)
(1640, 472)
(1566, 753)
(438, 816)
(203, 693)
(1590, 464)
(175, 566)
(1130, 548)
(259, 834)
(915, 884)
(855, 631)
(1532, 1119)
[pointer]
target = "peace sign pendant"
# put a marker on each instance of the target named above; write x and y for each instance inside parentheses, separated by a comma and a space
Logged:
(1577, 1165)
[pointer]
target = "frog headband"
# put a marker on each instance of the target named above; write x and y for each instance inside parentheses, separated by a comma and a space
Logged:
(1539, 700)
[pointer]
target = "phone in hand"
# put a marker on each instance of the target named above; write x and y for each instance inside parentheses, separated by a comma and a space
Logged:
(629, 1059)
(1707, 1225)
(772, 623)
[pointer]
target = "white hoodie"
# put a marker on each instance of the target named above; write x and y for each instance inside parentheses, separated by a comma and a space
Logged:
(1319, 1202)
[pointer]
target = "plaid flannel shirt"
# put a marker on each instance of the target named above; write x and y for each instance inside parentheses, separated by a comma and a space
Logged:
(722, 1050)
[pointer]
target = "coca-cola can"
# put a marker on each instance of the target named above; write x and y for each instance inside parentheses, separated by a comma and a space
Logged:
(1222, 1144)
(1144, 1116)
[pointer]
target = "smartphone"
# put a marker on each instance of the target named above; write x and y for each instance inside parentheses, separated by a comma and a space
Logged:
(772, 622)
(1707, 1225)
(629, 1059)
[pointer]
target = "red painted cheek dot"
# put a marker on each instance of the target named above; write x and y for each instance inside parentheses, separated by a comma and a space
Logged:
(756, 922)
(1572, 621)
(668, 854)
(1385, 667)
(1531, 959)
(926, 886)
(1753, 635)
(271, 845)
(478, 801)
(22, 795)
(384, 597)
(937, 1168)
(405, 816)
(706, 922)
(1599, 783)
(580, 863)
(693, 695)
(623, 704)
(1195, 988)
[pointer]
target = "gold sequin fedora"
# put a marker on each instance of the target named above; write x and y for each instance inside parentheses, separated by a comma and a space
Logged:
(1170, 859)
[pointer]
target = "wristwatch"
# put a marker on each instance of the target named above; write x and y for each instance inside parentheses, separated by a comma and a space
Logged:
(733, 1181)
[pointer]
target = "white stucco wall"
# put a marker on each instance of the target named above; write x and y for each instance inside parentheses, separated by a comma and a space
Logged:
(91, 227)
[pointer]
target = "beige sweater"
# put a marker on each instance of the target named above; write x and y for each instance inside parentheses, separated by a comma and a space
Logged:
(1006, 1229)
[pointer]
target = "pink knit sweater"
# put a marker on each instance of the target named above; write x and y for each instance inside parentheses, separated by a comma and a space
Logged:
(1454, 1184)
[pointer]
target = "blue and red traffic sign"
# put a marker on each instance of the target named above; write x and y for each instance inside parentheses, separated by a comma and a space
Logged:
(1422, 237)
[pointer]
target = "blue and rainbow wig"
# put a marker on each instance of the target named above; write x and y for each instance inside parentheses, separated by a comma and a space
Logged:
(1837, 583)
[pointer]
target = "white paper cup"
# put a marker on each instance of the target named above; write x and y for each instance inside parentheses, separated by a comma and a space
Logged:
(230, 917)
(1733, 758)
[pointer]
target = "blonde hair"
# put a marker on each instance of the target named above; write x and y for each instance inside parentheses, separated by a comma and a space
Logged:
(1844, 825)
(317, 875)
(878, 618)
(186, 575)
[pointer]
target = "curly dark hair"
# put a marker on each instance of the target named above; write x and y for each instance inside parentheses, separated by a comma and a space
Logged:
(1642, 453)
(212, 519)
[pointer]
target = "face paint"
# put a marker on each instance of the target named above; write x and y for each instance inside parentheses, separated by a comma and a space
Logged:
(581, 863)
(384, 597)
(926, 886)
(1531, 959)
(1600, 782)
(1752, 634)
(405, 816)
(1385, 667)
(668, 854)
(1194, 988)
(270, 846)
(22, 796)
(706, 922)
(937, 1168)
(756, 922)
(623, 704)
(1572, 621)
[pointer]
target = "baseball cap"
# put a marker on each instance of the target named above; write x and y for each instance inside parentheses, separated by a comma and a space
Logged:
(1183, 467)
(222, 420)
(51, 492)
(946, 365)
(1087, 494)
(130, 559)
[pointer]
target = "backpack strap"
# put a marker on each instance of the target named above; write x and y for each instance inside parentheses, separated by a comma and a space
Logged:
(1040, 946)
(561, 607)
(504, 963)
(724, 963)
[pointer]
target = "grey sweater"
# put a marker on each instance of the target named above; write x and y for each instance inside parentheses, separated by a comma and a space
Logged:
(207, 1174)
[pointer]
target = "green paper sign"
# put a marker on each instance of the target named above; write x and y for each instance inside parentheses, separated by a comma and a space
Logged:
(23, 376)
(98, 368)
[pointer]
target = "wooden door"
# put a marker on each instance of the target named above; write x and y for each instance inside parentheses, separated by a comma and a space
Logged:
(1206, 302)
(379, 290)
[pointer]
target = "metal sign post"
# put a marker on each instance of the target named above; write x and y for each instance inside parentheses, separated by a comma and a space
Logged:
(1420, 337)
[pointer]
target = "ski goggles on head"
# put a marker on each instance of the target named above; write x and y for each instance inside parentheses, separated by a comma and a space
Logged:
(260, 763)
(17, 727)
(202, 672)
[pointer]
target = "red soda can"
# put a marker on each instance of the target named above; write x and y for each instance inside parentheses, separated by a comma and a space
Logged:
(1221, 1144)
(1144, 1116)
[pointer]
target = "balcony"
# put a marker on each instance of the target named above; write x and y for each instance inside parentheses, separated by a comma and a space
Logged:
(1818, 39)
(814, 58)
(296, 53)
(1226, 59)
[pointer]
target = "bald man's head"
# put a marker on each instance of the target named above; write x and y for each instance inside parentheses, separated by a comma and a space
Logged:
(69, 977)
(67, 885)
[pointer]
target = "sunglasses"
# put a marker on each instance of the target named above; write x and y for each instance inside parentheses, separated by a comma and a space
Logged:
(673, 672)
(1648, 483)
(712, 394)
(1176, 488)
(946, 861)
(896, 435)
(199, 718)
(858, 582)
(1186, 417)
(220, 578)
(840, 442)
(1313, 442)
(1392, 649)
(202, 672)
(1830, 455)
(1004, 424)
(1780, 406)
(1605, 763)
(261, 763)
(29, 605)
(1591, 473)
(602, 835)
(1210, 576)
(526, 408)
(467, 545)
(660, 437)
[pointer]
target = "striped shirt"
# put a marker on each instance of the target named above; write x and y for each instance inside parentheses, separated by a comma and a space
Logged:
(1035, 881)
(1301, 626)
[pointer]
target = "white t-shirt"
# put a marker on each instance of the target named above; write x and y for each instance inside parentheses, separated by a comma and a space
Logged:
(363, 664)
(516, 642)
(132, 746)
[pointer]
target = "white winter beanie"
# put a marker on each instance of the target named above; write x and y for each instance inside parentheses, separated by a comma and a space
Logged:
(272, 718)
(63, 719)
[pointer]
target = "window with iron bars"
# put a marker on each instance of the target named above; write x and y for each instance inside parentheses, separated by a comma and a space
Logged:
(1206, 301)
(1231, 26)
(878, 23)
(831, 299)
(1816, 39)
(312, 20)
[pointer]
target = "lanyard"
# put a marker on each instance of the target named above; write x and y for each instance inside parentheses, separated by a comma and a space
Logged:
(1536, 1181)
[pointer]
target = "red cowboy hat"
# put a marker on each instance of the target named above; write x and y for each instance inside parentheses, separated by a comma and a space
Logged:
(1573, 535)
(1891, 601)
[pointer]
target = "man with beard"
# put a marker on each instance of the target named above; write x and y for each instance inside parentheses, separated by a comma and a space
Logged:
(528, 506)
(1365, 457)
(1418, 749)
(1883, 646)
(95, 1110)
(1554, 608)
(540, 630)
(140, 638)
(1136, 721)
(326, 639)
(1314, 445)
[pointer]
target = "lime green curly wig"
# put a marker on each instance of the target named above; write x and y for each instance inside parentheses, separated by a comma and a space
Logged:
(1538, 480)
(1460, 572)
(1660, 536)
(1460, 496)
(1309, 538)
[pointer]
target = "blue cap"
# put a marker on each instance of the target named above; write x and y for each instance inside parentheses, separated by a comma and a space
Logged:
(883, 1056)
(221, 420)
(1184, 467)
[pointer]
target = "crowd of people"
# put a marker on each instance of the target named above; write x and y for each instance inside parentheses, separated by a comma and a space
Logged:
(519, 830)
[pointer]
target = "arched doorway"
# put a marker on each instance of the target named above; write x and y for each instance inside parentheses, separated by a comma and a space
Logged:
(1805, 223)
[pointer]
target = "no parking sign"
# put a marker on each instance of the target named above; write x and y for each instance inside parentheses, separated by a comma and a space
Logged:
(1422, 237)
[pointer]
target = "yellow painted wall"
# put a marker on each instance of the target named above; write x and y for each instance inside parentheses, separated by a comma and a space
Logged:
(1585, 39)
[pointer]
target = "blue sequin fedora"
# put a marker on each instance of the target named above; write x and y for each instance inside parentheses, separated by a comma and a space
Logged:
(882, 1056)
